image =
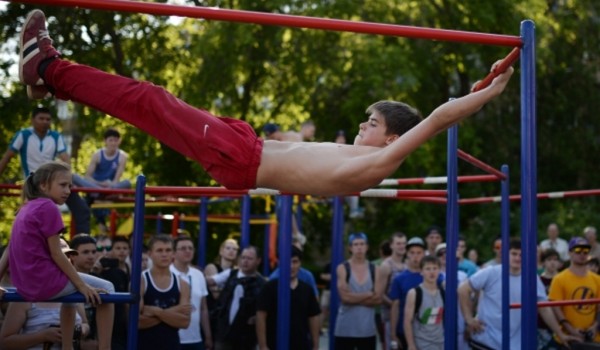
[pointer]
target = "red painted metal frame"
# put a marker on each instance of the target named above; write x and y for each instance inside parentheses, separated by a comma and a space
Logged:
(481, 165)
(287, 20)
(560, 303)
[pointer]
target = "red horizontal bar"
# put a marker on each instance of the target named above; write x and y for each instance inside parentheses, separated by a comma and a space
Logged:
(508, 61)
(287, 20)
(560, 303)
(481, 165)
(432, 200)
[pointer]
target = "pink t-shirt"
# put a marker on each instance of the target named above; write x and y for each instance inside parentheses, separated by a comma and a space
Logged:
(32, 270)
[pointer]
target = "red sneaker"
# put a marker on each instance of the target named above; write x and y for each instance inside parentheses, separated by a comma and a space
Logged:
(34, 47)
(37, 92)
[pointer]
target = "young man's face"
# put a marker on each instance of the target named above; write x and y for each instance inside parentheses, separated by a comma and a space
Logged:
(112, 143)
(551, 264)
(414, 256)
(295, 267)
(103, 247)
(515, 259)
(41, 122)
(579, 255)
(430, 272)
(184, 252)
(433, 239)
(86, 257)
(120, 251)
(145, 258)
(373, 132)
(359, 247)
(161, 254)
(398, 246)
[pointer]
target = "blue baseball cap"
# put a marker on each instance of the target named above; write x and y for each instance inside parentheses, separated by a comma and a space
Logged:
(578, 242)
(357, 235)
(270, 128)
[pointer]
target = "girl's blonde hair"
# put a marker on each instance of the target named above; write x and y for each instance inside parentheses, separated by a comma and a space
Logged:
(223, 244)
(45, 174)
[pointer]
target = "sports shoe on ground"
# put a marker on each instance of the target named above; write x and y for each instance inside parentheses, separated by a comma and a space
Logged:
(35, 46)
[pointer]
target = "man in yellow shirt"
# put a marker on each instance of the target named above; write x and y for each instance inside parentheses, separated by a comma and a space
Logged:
(577, 283)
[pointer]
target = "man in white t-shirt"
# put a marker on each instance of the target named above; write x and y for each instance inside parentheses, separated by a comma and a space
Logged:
(486, 327)
(191, 337)
(237, 301)
(555, 242)
(40, 144)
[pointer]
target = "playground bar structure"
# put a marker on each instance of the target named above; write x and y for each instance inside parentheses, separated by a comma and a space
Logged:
(525, 42)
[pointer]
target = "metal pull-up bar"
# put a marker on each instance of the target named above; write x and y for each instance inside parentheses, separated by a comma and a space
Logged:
(287, 20)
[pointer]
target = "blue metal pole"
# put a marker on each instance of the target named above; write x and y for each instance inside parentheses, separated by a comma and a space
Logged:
(505, 233)
(136, 261)
(245, 222)
(299, 213)
(266, 246)
(159, 223)
(283, 288)
(528, 187)
(337, 256)
(451, 311)
(202, 231)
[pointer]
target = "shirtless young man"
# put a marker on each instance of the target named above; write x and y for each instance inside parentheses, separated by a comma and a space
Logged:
(228, 148)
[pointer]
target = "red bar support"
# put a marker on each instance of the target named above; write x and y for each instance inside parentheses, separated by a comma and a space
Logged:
(440, 180)
(287, 20)
(560, 303)
(481, 165)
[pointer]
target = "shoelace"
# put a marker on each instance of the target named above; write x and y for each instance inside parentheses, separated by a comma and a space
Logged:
(43, 34)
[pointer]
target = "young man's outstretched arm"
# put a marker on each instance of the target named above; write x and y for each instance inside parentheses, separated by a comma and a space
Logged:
(439, 120)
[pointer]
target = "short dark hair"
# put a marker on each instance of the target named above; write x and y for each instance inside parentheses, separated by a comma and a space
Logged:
(181, 238)
(399, 117)
(433, 228)
(112, 133)
(296, 252)
(385, 248)
(255, 248)
(430, 259)
(40, 109)
(80, 239)
(397, 234)
(121, 239)
(515, 243)
(159, 238)
(548, 253)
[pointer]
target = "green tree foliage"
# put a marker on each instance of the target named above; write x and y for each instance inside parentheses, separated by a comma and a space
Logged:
(266, 74)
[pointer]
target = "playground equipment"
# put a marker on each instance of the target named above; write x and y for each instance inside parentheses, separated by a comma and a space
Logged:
(528, 152)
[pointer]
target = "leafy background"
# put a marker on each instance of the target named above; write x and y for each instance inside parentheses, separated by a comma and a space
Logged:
(273, 74)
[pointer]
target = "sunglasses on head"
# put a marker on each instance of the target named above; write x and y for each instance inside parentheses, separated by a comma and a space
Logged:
(102, 247)
(581, 250)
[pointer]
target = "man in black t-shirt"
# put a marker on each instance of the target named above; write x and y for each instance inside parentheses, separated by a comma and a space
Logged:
(304, 312)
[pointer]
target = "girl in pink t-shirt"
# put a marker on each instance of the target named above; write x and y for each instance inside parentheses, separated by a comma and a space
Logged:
(38, 268)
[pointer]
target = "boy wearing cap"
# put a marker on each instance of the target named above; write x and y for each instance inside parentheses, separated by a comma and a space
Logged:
(359, 294)
(577, 283)
(405, 281)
